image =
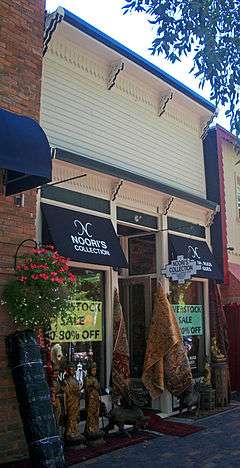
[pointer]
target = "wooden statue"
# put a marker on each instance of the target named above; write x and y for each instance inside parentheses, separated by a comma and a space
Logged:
(71, 390)
(207, 375)
(92, 404)
(55, 389)
(216, 354)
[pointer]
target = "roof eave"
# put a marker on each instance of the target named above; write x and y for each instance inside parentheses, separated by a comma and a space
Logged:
(111, 43)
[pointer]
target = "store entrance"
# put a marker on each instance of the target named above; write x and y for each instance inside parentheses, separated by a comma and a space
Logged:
(136, 300)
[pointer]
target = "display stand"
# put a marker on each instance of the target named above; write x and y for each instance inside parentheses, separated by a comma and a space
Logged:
(208, 398)
(220, 380)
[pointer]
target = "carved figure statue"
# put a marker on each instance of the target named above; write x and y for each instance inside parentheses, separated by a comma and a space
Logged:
(216, 354)
(207, 375)
(92, 401)
(71, 391)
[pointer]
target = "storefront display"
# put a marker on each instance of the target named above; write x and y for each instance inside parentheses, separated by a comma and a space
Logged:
(81, 331)
(86, 333)
(188, 305)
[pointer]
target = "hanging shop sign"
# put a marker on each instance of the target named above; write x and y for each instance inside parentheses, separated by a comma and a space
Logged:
(82, 323)
(190, 318)
(181, 269)
(194, 251)
(84, 238)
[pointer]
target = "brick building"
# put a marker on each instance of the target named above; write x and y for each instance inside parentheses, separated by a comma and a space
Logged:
(21, 37)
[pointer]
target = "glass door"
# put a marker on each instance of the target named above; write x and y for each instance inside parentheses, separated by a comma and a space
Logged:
(135, 296)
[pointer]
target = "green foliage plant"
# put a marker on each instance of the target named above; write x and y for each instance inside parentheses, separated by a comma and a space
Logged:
(41, 289)
(210, 31)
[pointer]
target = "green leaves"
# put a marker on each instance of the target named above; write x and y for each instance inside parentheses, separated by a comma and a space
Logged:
(210, 29)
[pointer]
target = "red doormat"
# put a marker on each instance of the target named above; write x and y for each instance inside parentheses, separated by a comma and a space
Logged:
(164, 426)
(113, 442)
(74, 455)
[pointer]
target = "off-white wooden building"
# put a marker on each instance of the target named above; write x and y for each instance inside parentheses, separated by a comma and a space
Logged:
(135, 135)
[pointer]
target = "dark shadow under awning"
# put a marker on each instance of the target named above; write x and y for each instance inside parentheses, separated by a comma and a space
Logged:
(195, 250)
(84, 238)
(25, 153)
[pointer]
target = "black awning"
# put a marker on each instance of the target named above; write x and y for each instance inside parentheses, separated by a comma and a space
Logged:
(194, 250)
(25, 153)
(84, 238)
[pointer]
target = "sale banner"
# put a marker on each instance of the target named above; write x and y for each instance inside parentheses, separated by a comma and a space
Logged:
(83, 322)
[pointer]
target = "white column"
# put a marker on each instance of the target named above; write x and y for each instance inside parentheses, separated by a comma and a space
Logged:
(164, 402)
(111, 284)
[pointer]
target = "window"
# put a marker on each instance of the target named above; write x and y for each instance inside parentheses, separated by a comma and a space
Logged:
(90, 335)
(188, 305)
(142, 255)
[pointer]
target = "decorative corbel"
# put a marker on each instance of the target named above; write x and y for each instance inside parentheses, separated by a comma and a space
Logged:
(51, 22)
(210, 215)
(115, 189)
(167, 205)
(114, 71)
(206, 124)
(165, 98)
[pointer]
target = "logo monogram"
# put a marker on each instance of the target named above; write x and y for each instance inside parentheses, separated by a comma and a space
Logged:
(193, 252)
(82, 228)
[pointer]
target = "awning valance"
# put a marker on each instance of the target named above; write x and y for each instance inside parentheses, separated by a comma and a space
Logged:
(25, 153)
(84, 238)
(195, 250)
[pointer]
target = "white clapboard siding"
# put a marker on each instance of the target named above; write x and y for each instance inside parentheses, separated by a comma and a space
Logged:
(80, 115)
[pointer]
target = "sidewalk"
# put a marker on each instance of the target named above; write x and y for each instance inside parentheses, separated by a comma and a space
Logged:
(216, 446)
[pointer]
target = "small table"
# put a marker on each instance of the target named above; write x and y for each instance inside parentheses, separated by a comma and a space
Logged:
(220, 381)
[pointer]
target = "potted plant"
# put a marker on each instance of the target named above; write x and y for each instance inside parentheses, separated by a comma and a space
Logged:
(41, 289)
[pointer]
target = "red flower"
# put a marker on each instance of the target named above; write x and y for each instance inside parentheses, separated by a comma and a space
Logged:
(72, 277)
(22, 279)
(35, 277)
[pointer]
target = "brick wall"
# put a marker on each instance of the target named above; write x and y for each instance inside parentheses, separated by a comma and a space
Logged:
(21, 36)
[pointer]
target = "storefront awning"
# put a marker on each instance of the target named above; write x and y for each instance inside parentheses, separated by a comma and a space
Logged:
(84, 238)
(24, 153)
(195, 250)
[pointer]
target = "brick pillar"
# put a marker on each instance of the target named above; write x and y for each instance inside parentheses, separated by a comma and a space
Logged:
(21, 40)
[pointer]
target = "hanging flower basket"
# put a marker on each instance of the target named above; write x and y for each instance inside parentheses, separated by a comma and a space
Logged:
(41, 290)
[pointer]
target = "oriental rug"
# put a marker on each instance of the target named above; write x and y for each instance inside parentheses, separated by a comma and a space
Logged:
(113, 442)
(167, 427)
(73, 455)
(166, 364)
(120, 358)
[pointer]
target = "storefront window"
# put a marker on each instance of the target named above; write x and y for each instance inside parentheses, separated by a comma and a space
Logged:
(188, 305)
(142, 255)
(82, 333)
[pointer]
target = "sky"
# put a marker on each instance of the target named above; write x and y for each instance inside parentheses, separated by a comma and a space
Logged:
(136, 33)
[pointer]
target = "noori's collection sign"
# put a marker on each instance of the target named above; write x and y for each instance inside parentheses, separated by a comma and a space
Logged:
(181, 269)
(84, 238)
